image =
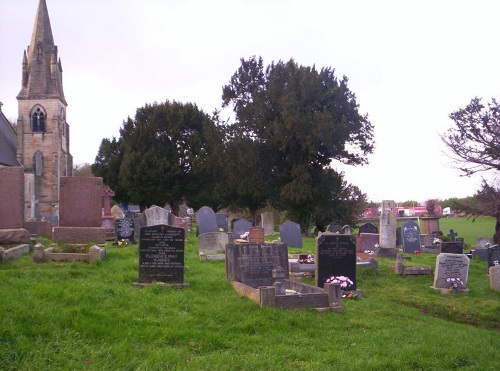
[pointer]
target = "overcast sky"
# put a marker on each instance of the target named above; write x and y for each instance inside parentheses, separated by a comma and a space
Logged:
(410, 64)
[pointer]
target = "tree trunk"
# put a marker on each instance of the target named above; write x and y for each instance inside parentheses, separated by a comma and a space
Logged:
(174, 206)
(496, 236)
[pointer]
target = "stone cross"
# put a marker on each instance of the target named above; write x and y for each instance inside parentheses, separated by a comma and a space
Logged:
(107, 193)
(452, 235)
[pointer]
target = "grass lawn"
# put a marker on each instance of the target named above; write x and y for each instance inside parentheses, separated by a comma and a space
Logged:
(79, 316)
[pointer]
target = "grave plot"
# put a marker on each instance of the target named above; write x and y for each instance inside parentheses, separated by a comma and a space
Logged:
(260, 272)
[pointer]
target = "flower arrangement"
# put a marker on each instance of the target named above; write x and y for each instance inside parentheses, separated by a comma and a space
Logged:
(343, 281)
(417, 252)
(436, 241)
(123, 242)
(455, 283)
(308, 260)
(369, 252)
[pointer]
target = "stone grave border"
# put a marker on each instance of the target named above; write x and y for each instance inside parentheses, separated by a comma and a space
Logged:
(14, 252)
(46, 255)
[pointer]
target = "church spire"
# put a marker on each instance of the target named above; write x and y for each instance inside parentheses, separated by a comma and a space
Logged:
(43, 71)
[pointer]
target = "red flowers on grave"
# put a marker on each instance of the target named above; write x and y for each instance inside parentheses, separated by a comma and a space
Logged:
(308, 260)
(417, 252)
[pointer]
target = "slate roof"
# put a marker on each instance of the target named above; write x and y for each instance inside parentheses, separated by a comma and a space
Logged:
(8, 143)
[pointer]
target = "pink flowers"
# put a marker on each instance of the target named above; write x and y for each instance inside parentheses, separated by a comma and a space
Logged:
(343, 281)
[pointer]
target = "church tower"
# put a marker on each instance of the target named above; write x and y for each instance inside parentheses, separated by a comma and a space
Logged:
(43, 133)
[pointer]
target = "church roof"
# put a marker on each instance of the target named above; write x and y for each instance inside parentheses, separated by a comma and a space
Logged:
(8, 142)
(42, 71)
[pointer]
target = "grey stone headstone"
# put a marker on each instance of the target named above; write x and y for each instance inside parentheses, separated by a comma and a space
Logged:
(291, 234)
(211, 243)
(253, 264)
(388, 225)
(221, 219)
(494, 273)
(450, 266)
(240, 227)
(156, 215)
(410, 233)
(268, 223)
(206, 220)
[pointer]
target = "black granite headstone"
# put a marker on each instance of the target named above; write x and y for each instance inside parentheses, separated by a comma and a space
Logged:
(368, 228)
(335, 256)
(161, 254)
(493, 255)
(124, 230)
(334, 227)
(253, 264)
(410, 233)
(454, 247)
(291, 234)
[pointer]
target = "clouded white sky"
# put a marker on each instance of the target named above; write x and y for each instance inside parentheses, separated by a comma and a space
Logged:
(410, 64)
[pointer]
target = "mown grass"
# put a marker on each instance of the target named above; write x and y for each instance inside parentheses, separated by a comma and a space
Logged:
(75, 316)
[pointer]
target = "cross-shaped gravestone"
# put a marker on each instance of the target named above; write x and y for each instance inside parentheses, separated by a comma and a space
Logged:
(452, 234)
(107, 193)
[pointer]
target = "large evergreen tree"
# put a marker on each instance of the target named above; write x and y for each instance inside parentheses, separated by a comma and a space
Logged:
(167, 151)
(302, 119)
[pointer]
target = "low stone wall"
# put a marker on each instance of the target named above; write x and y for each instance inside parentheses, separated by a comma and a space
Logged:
(13, 252)
(79, 234)
(43, 255)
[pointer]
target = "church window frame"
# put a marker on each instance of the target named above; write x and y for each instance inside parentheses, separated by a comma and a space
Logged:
(38, 120)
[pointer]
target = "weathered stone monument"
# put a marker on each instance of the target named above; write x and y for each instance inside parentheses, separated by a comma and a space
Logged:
(268, 223)
(161, 255)
(155, 215)
(291, 234)
(80, 213)
(12, 206)
(108, 220)
(240, 227)
(451, 272)
(212, 245)
(388, 225)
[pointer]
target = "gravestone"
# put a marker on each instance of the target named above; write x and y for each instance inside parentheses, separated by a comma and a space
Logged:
(388, 226)
(118, 213)
(368, 228)
(428, 244)
(253, 264)
(450, 266)
(212, 245)
(108, 220)
(206, 220)
(494, 273)
(483, 242)
(241, 226)
(155, 215)
(410, 233)
(367, 241)
(80, 211)
(334, 227)
(335, 256)
(139, 222)
(124, 230)
(291, 234)
(347, 229)
(12, 206)
(256, 235)
(455, 247)
(222, 224)
(493, 255)
(453, 235)
(180, 223)
(268, 223)
(161, 254)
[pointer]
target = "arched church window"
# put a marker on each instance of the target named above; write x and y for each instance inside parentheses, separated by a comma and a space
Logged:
(38, 121)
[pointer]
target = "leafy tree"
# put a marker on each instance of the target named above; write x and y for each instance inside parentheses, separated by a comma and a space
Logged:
(82, 170)
(167, 151)
(301, 119)
(107, 165)
(474, 143)
(409, 203)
